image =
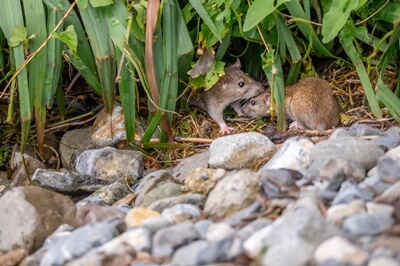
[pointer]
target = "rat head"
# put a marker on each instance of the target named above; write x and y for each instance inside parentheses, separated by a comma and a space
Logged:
(257, 106)
(237, 85)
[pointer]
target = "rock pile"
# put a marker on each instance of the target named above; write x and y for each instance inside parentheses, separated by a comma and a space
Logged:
(241, 202)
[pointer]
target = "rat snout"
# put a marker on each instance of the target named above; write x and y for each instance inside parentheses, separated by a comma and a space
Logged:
(255, 90)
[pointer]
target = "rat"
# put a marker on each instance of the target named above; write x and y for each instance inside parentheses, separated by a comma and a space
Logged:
(234, 86)
(309, 103)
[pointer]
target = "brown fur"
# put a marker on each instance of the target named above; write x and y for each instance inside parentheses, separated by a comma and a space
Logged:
(227, 91)
(309, 102)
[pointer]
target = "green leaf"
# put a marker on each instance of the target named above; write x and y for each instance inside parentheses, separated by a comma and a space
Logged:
(82, 3)
(18, 36)
(68, 37)
(335, 18)
(98, 3)
(258, 11)
(203, 14)
(390, 13)
(361, 3)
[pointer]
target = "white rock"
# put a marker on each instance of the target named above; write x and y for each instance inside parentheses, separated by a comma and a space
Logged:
(244, 150)
(383, 261)
(383, 209)
(294, 155)
(219, 231)
(340, 250)
(337, 213)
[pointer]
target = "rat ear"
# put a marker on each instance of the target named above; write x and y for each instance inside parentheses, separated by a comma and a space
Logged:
(224, 79)
(267, 98)
(237, 64)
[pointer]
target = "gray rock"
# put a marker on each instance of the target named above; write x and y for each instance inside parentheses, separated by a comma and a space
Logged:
(360, 130)
(163, 190)
(366, 224)
(360, 151)
(81, 241)
(167, 240)
(90, 213)
(90, 200)
(294, 155)
(390, 195)
(138, 238)
(109, 130)
(291, 238)
(181, 258)
(112, 192)
(108, 164)
(339, 133)
(373, 185)
(198, 200)
(332, 168)
(387, 143)
(202, 180)
(389, 166)
(337, 213)
(243, 214)
(30, 214)
(181, 212)
(202, 227)
(61, 233)
(202, 253)
(187, 165)
(149, 182)
(393, 131)
(244, 233)
(278, 182)
(20, 176)
(58, 181)
(234, 192)
(296, 252)
(338, 250)
(214, 252)
(73, 141)
(350, 191)
(244, 150)
(155, 224)
(113, 252)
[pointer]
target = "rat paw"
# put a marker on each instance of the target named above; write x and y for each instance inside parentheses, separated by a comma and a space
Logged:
(297, 124)
(226, 130)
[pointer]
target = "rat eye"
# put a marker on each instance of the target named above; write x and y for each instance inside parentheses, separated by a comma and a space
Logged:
(241, 84)
(253, 102)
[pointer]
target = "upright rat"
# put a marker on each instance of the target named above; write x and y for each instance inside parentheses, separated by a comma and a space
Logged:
(309, 102)
(235, 85)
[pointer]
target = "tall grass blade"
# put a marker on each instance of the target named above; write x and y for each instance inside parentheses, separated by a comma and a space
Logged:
(54, 58)
(389, 99)
(95, 23)
(346, 38)
(119, 30)
(151, 19)
(11, 20)
(36, 26)
(84, 51)
(2, 65)
(275, 78)
(169, 85)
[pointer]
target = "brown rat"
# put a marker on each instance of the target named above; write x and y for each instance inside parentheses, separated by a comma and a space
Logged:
(235, 85)
(309, 102)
